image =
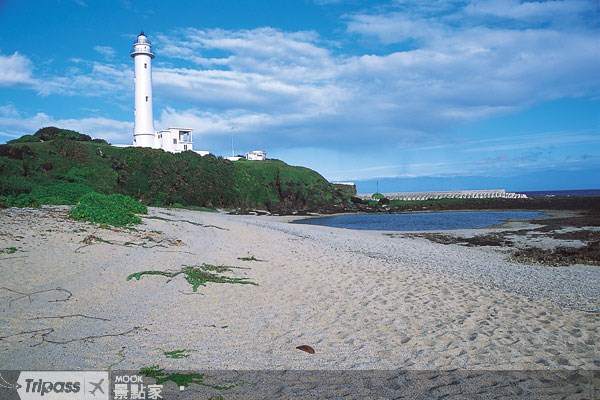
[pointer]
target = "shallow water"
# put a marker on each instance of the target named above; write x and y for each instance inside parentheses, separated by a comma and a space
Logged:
(422, 221)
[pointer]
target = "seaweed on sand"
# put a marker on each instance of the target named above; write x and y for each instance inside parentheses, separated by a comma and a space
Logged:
(198, 275)
(177, 354)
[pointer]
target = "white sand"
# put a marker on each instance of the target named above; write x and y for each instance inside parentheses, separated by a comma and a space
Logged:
(362, 300)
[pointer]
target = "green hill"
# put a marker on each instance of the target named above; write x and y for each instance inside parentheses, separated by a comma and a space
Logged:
(56, 166)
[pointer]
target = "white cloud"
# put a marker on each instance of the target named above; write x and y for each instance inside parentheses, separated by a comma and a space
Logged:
(15, 69)
(534, 141)
(105, 51)
(9, 110)
(395, 27)
(248, 90)
(300, 93)
(15, 124)
(294, 55)
(531, 11)
(89, 79)
(324, 2)
(459, 70)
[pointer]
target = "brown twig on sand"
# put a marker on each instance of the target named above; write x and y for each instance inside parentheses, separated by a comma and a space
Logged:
(176, 251)
(43, 333)
(28, 295)
(91, 239)
(69, 316)
(35, 332)
(190, 293)
(86, 338)
(189, 222)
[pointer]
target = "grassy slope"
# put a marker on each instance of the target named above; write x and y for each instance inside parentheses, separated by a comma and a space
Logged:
(276, 184)
(160, 178)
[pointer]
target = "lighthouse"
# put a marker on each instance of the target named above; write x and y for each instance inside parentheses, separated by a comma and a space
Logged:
(144, 134)
(173, 140)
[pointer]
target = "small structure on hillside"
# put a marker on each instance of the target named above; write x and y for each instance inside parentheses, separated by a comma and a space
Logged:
(256, 155)
(176, 140)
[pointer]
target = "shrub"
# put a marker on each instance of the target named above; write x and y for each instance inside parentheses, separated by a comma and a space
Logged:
(61, 193)
(384, 201)
(78, 174)
(58, 194)
(52, 133)
(114, 209)
(23, 200)
(25, 139)
(47, 133)
(13, 185)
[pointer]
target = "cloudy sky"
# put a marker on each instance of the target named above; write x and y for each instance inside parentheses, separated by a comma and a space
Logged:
(439, 94)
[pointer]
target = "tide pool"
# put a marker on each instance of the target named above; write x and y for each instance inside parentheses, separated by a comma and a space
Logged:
(422, 221)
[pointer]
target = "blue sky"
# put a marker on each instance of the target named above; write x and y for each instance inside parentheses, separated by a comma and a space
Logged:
(418, 95)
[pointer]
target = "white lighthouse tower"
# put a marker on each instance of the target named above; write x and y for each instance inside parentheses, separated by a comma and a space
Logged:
(144, 134)
(174, 140)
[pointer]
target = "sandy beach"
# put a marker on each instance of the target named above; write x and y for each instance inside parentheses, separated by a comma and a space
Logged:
(363, 300)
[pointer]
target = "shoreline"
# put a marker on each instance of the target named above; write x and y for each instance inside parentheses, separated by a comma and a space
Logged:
(362, 300)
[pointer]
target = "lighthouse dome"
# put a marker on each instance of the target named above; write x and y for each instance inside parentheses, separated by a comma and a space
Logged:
(142, 46)
(142, 38)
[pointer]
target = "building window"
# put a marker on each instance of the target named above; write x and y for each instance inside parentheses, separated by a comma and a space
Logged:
(174, 141)
(185, 147)
(146, 98)
(145, 65)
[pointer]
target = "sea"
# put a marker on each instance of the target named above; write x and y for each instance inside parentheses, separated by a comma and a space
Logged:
(422, 221)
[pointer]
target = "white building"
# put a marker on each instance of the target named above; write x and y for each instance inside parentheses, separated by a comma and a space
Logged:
(256, 155)
(173, 140)
(176, 140)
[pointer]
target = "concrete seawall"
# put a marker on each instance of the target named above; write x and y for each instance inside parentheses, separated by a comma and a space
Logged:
(458, 194)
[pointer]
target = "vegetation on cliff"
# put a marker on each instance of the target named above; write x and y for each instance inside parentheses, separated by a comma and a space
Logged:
(56, 166)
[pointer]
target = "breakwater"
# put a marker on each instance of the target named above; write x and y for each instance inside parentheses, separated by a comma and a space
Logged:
(457, 194)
